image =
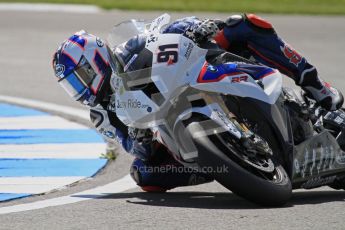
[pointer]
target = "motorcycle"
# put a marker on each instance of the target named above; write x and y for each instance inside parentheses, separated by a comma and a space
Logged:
(219, 111)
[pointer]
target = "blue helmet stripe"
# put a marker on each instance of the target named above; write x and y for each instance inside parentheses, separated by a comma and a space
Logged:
(76, 83)
(79, 40)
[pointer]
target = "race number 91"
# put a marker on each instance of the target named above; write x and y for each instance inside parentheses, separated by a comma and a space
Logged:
(168, 53)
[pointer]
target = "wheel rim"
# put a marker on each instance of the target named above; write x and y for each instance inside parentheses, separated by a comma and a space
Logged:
(260, 165)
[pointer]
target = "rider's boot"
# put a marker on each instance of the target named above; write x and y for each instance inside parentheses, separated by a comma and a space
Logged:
(322, 92)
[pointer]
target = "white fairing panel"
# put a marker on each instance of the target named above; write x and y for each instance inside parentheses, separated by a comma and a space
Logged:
(131, 106)
(170, 77)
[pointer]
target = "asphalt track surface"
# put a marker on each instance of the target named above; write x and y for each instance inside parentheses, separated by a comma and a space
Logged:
(27, 43)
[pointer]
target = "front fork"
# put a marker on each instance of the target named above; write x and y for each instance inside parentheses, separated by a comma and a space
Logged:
(219, 120)
(226, 118)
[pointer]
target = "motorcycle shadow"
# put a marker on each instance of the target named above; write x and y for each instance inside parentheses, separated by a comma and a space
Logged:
(316, 197)
(201, 200)
(207, 200)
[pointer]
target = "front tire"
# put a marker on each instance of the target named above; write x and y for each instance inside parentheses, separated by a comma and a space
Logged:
(243, 181)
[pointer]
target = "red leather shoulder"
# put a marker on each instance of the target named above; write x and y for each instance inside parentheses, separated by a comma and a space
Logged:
(260, 22)
(221, 40)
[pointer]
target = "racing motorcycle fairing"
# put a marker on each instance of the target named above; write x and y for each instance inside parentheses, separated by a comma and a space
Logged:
(177, 64)
(181, 83)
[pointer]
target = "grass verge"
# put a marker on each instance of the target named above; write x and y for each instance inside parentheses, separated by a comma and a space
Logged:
(330, 7)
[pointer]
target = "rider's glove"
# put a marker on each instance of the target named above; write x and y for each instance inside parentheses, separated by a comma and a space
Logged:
(207, 30)
(140, 135)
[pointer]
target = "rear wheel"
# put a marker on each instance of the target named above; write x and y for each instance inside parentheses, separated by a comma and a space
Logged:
(254, 175)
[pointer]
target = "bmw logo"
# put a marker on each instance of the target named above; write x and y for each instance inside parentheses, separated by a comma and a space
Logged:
(211, 68)
(99, 42)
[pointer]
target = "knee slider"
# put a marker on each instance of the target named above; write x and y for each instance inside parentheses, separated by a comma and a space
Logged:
(259, 23)
(135, 171)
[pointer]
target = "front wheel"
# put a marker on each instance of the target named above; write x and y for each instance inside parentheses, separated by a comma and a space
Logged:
(257, 178)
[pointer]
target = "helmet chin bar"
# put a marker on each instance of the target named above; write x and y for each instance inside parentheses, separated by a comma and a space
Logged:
(91, 101)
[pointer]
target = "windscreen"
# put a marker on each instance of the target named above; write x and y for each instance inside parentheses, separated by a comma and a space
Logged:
(125, 30)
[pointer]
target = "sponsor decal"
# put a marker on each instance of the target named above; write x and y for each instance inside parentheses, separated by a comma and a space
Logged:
(156, 23)
(59, 70)
(294, 57)
(319, 159)
(107, 133)
(189, 50)
(130, 62)
(152, 38)
(99, 42)
(131, 104)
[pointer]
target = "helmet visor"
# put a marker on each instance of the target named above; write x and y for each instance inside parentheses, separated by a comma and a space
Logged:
(85, 72)
(73, 85)
(77, 83)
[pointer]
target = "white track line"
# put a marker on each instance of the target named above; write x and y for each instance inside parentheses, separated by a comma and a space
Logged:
(56, 151)
(80, 113)
(118, 186)
(35, 185)
(38, 122)
(67, 8)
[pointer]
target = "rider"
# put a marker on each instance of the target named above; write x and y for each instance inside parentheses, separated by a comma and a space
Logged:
(84, 65)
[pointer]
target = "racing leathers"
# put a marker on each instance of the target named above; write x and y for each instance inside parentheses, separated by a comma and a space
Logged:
(245, 35)
(255, 38)
(153, 169)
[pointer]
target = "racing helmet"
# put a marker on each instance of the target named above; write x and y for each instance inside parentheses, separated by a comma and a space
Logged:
(82, 66)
